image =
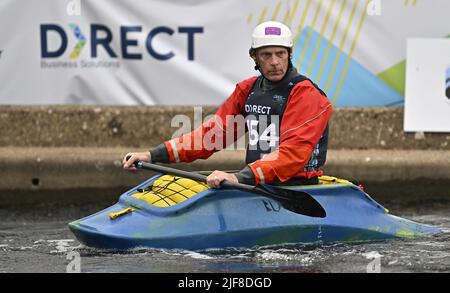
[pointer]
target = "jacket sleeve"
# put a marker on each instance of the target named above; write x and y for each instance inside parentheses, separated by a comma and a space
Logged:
(213, 135)
(304, 121)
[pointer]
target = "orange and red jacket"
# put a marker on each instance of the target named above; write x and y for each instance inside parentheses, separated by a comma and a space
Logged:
(303, 123)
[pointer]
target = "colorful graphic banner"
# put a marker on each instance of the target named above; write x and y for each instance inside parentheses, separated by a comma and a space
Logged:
(147, 52)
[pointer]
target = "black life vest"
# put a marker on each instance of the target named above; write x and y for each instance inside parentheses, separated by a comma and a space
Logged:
(263, 112)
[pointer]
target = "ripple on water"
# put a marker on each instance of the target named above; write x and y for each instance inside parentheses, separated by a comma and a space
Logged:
(43, 246)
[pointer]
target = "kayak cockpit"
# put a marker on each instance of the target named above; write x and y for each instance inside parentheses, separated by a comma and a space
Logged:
(167, 194)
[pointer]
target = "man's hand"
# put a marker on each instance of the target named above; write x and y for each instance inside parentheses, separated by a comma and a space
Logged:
(130, 158)
(216, 177)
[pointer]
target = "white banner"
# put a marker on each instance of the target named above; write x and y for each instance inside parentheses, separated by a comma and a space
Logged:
(134, 52)
(427, 106)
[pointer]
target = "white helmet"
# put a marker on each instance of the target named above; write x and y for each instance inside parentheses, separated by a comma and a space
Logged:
(271, 33)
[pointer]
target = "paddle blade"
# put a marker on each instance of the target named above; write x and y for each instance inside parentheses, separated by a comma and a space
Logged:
(296, 201)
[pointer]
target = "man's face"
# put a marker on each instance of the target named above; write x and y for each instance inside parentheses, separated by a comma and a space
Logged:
(273, 62)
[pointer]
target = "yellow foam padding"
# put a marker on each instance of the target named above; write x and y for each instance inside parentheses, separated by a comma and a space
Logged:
(170, 190)
(331, 180)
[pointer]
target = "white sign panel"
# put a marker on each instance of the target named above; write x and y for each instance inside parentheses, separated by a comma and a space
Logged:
(427, 101)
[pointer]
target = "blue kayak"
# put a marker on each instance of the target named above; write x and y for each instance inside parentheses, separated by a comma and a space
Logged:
(220, 218)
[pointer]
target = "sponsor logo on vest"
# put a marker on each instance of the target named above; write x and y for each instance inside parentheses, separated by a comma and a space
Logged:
(278, 99)
(258, 109)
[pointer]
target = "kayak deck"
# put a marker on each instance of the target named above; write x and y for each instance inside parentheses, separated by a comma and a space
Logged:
(216, 218)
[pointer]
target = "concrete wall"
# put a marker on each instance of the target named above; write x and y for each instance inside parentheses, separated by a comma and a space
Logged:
(142, 127)
(68, 147)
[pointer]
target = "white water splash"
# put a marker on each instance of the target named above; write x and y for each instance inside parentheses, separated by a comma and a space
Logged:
(196, 255)
(25, 247)
(372, 255)
(266, 256)
(393, 262)
(62, 245)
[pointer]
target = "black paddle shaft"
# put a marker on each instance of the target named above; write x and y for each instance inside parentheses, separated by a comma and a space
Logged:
(299, 202)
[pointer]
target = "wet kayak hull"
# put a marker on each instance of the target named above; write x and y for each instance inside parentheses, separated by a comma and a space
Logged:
(232, 218)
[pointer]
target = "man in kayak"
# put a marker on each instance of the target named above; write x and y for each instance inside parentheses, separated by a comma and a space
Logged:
(286, 116)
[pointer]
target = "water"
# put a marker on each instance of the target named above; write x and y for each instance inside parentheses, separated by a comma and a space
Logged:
(36, 239)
